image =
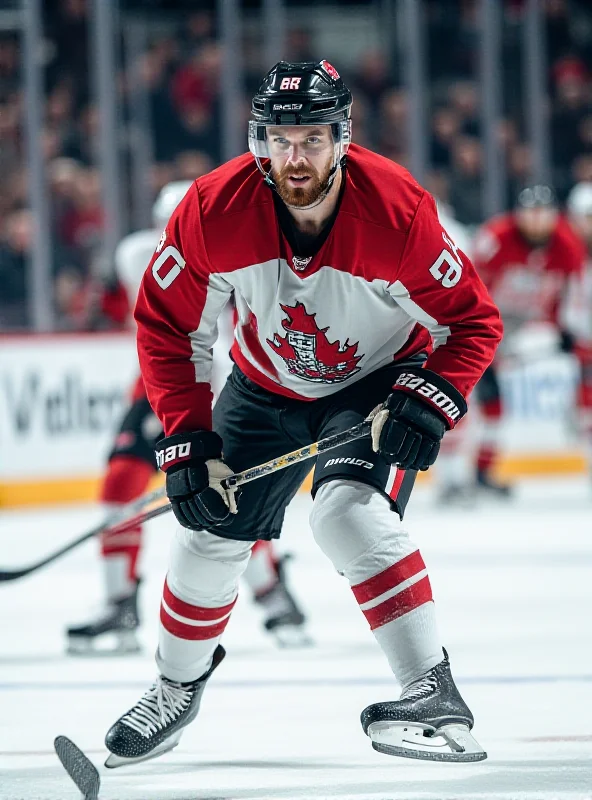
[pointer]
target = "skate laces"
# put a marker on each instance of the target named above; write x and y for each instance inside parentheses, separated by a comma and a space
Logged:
(420, 688)
(161, 704)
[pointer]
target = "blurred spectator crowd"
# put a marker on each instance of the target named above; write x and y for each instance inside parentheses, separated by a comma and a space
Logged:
(180, 73)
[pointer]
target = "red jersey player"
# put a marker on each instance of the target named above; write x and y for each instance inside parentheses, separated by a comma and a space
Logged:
(349, 295)
(526, 259)
(130, 468)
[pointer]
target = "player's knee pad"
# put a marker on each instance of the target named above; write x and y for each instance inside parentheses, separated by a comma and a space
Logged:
(352, 521)
(204, 567)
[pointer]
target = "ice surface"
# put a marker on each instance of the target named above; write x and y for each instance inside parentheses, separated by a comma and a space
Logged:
(513, 586)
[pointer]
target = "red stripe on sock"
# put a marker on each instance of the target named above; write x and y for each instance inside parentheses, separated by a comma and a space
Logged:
(389, 578)
(192, 633)
(400, 604)
(200, 613)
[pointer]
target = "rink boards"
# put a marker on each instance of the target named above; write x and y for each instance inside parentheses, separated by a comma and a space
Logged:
(62, 396)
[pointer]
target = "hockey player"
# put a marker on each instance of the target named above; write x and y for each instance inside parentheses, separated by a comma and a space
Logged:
(131, 467)
(340, 272)
(579, 311)
(527, 259)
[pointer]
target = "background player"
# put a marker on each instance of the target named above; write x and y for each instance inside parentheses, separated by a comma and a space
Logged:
(130, 469)
(340, 271)
(527, 258)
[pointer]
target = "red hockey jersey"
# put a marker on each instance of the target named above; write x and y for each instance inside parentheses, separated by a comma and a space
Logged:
(527, 283)
(386, 275)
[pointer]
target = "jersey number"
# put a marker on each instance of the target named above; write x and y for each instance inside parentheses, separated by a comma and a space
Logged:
(453, 273)
(164, 281)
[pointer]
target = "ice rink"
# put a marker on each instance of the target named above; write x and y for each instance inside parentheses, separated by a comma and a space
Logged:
(513, 587)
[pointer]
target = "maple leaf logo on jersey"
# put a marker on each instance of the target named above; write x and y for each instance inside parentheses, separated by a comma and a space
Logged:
(307, 351)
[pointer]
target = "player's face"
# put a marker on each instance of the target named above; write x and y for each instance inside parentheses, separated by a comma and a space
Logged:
(301, 159)
(536, 224)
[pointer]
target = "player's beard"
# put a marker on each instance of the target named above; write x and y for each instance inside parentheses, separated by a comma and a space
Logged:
(300, 197)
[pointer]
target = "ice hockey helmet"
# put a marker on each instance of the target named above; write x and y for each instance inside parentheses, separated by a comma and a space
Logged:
(167, 201)
(537, 196)
(579, 200)
(301, 93)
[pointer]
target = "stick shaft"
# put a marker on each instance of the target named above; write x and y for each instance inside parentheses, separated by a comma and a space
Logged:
(296, 456)
(121, 517)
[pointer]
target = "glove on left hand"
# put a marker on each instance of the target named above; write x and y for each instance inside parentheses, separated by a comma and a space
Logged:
(408, 430)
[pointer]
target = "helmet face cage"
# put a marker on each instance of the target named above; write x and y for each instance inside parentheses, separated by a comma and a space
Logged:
(539, 196)
(258, 143)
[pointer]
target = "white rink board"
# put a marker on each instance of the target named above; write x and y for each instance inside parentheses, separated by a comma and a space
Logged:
(539, 400)
(61, 399)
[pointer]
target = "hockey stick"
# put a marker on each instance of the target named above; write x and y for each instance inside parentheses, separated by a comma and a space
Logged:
(118, 522)
(80, 768)
(121, 522)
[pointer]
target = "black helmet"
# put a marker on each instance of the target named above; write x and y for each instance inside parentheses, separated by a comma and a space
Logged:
(302, 93)
(306, 93)
(538, 196)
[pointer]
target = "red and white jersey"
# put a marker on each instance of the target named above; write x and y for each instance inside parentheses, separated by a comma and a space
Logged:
(387, 283)
(527, 283)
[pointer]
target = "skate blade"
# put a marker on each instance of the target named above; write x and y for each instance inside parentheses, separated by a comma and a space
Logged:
(81, 769)
(113, 761)
(410, 740)
(291, 637)
(119, 644)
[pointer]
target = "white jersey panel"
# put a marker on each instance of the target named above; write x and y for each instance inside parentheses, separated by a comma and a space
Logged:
(132, 256)
(327, 328)
(204, 338)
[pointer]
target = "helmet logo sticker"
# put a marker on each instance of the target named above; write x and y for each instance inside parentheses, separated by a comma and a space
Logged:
(330, 70)
(290, 83)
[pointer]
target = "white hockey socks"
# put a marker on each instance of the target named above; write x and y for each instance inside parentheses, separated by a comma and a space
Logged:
(198, 597)
(356, 528)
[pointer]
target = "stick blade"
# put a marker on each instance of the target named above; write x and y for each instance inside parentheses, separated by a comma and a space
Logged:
(81, 769)
(12, 575)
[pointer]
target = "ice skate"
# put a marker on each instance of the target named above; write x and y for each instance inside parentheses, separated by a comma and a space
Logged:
(114, 632)
(430, 721)
(283, 618)
(492, 488)
(155, 724)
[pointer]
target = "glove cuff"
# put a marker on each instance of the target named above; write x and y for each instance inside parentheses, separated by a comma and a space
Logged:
(177, 450)
(435, 391)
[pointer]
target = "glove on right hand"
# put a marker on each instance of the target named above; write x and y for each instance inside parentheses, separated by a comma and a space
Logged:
(194, 473)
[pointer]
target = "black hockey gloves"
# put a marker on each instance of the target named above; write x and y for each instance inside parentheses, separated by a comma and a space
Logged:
(194, 472)
(408, 430)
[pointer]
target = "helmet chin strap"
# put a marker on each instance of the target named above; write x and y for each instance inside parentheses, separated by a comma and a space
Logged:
(337, 162)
